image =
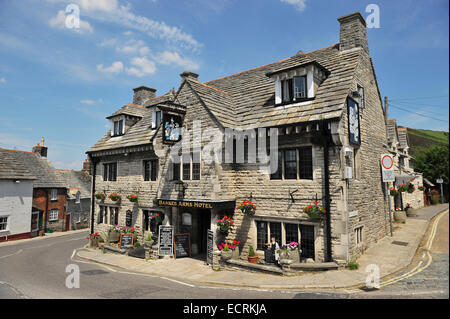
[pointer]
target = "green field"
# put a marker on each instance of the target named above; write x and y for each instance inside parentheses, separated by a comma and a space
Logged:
(421, 140)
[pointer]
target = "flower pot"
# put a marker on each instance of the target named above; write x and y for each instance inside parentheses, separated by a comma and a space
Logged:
(252, 259)
(114, 236)
(93, 242)
(226, 255)
(235, 253)
(411, 212)
(400, 216)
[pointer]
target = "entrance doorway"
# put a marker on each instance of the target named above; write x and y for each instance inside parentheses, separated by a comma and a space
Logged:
(195, 222)
(204, 223)
(307, 241)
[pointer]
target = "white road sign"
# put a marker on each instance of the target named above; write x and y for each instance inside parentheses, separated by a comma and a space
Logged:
(387, 168)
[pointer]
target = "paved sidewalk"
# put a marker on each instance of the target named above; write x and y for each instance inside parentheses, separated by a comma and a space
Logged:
(47, 235)
(388, 256)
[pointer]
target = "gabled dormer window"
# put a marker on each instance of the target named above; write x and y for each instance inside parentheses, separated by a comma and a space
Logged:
(293, 89)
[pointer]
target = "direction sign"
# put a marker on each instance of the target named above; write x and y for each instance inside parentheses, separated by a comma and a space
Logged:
(387, 168)
(439, 181)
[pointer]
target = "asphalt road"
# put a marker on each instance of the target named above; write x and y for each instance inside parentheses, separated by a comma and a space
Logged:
(37, 269)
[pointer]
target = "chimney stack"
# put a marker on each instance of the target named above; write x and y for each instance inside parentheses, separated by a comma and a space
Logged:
(188, 75)
(142, 94)
(353, 32)
(40, 149)
(86, 167)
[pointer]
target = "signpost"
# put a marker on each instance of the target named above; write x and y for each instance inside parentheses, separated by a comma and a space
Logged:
(165, 241)
(209, 247)
(388, 173)
(182, 246)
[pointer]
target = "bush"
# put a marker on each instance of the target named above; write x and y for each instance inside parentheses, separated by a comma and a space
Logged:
(251, 251)
(352, 265)
(137, 244)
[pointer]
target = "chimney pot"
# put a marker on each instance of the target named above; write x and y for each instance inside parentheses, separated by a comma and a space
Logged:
(142, 94)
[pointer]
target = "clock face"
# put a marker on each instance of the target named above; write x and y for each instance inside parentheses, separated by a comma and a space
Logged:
(353, 122)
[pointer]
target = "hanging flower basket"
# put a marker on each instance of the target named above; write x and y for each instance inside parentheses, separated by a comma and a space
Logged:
(393, 191)
(155, 216)
(247, 207)
(115, 197)
(411, 188)
(133, 197)
(315, 211)
(225, 224)
(100, 196)
(402, 188)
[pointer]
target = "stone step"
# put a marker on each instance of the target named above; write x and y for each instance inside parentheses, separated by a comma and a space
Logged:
(254, 267)
(314, 266)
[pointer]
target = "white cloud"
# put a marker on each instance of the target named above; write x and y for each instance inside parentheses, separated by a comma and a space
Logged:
(116, 67)
(59, 22)
(300, 5)
(168, 57)
(2, 80)
(142, 67)
(91, 102)
(134, 46)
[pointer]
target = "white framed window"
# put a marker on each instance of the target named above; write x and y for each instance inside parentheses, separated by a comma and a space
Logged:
(53, 215)
(54, 194)
(3, 223)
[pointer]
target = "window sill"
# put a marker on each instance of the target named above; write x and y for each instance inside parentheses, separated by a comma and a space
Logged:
(294, 102)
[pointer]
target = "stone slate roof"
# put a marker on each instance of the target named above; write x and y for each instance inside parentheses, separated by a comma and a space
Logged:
(253, 94)
(77, 180)
(139, 134)
(246, 99)
(46, 175)
(11, 169)
(130, 109)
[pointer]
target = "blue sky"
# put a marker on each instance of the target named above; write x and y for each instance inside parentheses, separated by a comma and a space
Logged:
(61, 83)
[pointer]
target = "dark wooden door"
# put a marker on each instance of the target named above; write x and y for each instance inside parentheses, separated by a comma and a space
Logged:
(307, 241)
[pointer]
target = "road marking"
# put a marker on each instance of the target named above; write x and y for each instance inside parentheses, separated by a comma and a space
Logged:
(416, 269)
(16, 253)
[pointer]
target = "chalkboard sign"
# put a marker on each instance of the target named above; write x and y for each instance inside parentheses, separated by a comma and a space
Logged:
(128, 218)
(209, 247)
(165, 241)
(126, 240)
(182, 245)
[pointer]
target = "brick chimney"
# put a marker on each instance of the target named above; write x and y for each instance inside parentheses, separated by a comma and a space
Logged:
(353, 32)
(142, 94)
(40, 149)
(188, 75)
(86, 167)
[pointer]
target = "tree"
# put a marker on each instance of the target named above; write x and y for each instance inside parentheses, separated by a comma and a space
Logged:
(433, 163)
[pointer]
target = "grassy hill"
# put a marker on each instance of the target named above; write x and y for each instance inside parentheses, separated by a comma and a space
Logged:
(420, 140)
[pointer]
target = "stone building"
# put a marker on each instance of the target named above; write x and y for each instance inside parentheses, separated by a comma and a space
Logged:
(398, 143)
(317, 115)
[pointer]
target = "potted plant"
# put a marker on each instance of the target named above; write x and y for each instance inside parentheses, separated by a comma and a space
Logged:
(100, 196)
(410, 211)
(226, 252)
(101, 242)
(402, 188)
(252, 257)
(137, 245)
(247, 207)
(393, 191)
(127, 230)
(133, 197)
(411, 188)
(315, 211)
(114, 233)
(93, 239)
(148, 241)
(114, 197)
(225, 224)
(399, 215)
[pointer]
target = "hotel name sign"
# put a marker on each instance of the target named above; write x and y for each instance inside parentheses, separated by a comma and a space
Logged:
(188, 204)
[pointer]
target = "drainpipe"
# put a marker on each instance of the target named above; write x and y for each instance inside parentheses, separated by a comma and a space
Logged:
(46, 211)
(94, 173)
(326, 144)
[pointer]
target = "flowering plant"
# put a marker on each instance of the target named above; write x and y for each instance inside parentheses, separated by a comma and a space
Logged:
(247, 207)
(225, 224)
(93, 236)
(127, 230)
(408, 206)
(227, 246)
(402, 188)
(133, 197)
(114, 197)
(101, 196)
(115, 228)
(393, 191)
(289, 247)
(155, 216)
(411, 188)
(314, 211)
(397, 208)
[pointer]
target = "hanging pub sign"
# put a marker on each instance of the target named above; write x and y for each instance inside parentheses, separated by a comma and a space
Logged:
(165, 241)
(171, 128)
(353, 122)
